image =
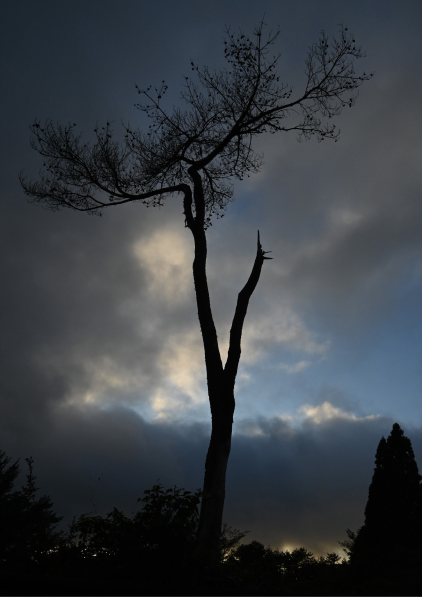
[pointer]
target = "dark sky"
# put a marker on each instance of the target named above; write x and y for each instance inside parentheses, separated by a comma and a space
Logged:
(102, 366)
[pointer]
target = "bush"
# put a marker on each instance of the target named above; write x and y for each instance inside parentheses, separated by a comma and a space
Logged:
(155, 543)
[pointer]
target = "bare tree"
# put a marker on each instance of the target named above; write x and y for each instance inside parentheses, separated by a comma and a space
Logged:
(195, 152)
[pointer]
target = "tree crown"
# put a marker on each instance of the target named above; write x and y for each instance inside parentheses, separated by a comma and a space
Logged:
(27, 523)
(223, 112)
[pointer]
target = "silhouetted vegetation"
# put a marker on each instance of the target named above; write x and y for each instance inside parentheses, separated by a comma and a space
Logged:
(389, 544)
(148, 552)
(162, 532)
(27, 523)
(152, 551)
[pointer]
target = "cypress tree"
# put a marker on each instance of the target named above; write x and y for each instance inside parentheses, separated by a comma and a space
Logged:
(390, 537)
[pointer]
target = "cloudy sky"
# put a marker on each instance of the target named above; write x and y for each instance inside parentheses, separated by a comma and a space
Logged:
(102, 373)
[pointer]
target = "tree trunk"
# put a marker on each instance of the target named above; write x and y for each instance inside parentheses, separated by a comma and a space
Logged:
(212, 505)
(220, 380)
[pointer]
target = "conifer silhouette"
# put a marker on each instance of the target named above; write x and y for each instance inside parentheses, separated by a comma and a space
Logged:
(390, 537)
(27, 523)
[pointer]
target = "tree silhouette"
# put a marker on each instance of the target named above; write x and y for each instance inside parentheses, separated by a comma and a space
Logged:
(195, 152)
(390, 537)
(271, 571)
(27, 523)
(155, 543)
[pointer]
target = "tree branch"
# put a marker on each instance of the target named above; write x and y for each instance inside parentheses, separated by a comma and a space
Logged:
(233, 357)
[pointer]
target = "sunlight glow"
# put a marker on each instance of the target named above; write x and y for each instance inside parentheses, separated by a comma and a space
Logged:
(183, 375)
(166, 256)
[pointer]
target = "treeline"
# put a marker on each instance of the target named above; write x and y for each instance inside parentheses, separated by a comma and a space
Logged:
(151, 551)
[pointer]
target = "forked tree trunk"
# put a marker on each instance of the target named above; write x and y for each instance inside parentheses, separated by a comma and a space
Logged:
(220, 379)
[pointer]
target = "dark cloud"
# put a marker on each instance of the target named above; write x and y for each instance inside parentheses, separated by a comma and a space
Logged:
(351, 212)
(288, 485)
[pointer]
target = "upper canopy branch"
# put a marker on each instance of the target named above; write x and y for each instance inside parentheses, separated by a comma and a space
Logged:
(75, 172)
(213, 136)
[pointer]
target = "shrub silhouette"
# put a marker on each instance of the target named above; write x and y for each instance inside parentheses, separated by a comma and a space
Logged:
(155, 543)
(157, 540)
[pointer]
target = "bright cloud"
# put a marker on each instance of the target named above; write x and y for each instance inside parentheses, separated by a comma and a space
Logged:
(278, 326)
(104, 381)
(295, 367)
(183, 376)
(345, 217)
(294, 423)
(327, 412)
(166, 257)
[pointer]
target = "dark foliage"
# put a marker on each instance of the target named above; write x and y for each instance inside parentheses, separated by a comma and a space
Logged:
(267, 570)
(153, 545)
(155, 542)
(27, 523)
(150, 553)
(390, 539)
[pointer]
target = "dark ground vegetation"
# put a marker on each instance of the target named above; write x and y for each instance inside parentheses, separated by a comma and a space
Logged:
(150, 552)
